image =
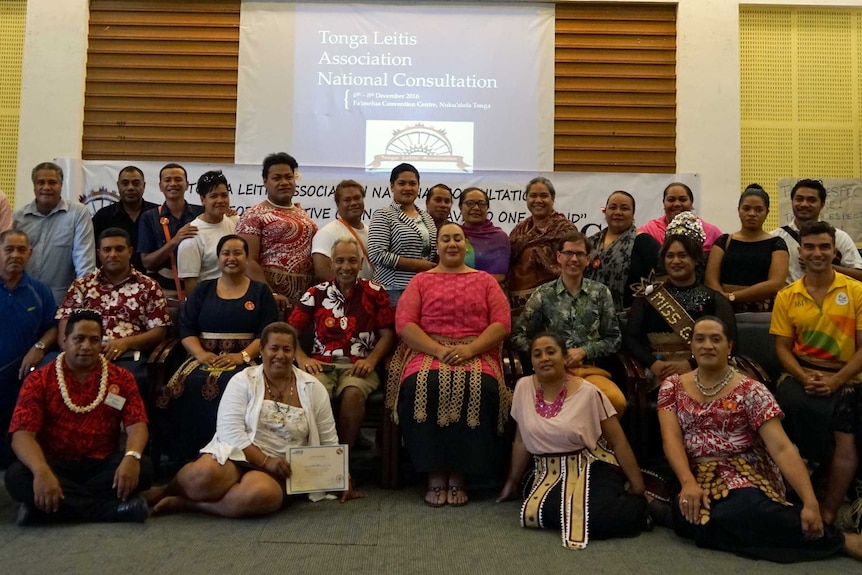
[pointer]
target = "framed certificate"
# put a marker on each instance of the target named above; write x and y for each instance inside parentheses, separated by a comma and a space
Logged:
(319, 468)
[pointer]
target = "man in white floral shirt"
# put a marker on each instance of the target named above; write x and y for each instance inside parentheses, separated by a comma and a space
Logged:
(133, 307)
(354, 329)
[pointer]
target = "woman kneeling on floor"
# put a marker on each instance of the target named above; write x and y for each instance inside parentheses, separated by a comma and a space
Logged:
(264, 412)
(723, 438)
(577, 485)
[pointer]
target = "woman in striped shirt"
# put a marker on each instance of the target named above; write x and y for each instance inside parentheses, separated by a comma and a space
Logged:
(401, 237)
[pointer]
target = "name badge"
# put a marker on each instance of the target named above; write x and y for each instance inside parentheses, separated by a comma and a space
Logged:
(115, 401)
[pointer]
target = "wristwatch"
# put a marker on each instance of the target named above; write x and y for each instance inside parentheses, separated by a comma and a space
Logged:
(39, 345)
(731, 297)
(245, 356)
(135, 454)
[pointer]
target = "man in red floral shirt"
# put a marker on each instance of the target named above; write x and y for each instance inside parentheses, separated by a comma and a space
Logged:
(66, 432)
(134, 311)
(354, 328)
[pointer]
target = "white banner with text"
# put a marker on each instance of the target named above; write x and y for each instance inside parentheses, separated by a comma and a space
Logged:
(580, 196)
(843, 207)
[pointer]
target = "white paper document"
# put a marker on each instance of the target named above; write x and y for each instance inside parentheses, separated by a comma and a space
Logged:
(319, 468)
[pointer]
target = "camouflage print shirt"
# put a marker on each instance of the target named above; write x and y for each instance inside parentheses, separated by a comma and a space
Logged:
(586, 320)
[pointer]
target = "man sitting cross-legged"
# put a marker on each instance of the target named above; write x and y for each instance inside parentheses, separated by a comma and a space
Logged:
(66, 434)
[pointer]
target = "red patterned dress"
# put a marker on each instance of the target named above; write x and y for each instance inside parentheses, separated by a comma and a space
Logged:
(726, 427)
(285, 236)
(748, 514)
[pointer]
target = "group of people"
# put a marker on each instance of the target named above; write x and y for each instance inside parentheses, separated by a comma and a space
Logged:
(438, 300)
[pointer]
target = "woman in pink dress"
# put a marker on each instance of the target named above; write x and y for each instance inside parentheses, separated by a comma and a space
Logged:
(446, 384)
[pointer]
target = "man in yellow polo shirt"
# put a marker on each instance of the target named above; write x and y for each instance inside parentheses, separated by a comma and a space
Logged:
(817, 324)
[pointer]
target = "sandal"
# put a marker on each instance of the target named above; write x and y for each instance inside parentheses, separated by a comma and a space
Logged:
(851, 519)
(453, 493)
(437, 490)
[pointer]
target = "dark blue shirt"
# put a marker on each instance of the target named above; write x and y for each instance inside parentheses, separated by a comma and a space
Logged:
(28, 312)
(151, 235)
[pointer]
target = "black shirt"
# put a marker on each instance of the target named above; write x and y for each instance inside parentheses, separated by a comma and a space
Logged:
(114, 216)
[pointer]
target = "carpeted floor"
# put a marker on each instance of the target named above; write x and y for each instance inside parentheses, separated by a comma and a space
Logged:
(388, 532)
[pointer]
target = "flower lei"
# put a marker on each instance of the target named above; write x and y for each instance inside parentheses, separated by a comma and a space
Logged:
(61, 382)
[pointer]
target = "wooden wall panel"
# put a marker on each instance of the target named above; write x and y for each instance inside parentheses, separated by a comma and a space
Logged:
(161, 80)
(615, 90)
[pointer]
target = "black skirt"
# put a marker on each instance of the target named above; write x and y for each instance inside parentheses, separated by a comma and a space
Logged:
(749, 523)
(455, 447)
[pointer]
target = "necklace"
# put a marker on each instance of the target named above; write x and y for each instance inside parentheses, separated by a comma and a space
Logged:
(61, 382)
(280, 395)
(270, 202)
(549, 410)
(712, 391)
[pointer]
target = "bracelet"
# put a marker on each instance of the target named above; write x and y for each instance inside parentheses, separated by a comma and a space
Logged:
(265, 459)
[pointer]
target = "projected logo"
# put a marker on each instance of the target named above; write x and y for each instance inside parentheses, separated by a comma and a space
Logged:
(98, 199)
(435, 147)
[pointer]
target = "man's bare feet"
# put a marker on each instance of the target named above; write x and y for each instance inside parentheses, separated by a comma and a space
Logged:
(853, 545)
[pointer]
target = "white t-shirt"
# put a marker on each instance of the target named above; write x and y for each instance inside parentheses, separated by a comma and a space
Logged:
(197, 257)
(850, 257)
(326, 236)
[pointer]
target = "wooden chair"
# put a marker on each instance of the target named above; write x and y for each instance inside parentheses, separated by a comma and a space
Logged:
(635, 388)
(163, 362)
(755, 341)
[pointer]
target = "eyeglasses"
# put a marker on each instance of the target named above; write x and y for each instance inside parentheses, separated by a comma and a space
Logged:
(569, 254)
(474, 204)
